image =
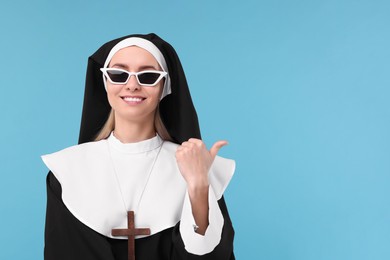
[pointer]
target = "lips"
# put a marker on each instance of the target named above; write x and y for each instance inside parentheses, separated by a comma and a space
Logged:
(133, 99)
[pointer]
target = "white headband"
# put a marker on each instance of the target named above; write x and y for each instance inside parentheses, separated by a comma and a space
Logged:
(150, 47)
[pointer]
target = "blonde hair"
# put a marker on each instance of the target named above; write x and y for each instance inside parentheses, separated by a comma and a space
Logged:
(109, 126)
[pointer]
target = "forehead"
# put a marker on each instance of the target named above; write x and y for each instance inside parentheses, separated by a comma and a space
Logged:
(133, 56)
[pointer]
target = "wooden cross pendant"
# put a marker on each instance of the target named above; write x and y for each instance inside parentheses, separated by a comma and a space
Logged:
(130, 232)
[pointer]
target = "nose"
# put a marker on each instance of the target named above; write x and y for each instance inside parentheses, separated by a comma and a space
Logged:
(132, 83)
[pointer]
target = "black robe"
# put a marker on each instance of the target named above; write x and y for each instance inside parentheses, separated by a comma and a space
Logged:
(66, 238)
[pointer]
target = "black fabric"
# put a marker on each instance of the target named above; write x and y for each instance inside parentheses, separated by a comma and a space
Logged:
(66, 238)
(177, 111)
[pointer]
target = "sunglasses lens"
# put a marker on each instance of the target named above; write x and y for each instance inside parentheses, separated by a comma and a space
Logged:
(117, 76)
(149, 78)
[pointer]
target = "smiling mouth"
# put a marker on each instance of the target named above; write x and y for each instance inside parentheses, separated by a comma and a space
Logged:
(133, 100)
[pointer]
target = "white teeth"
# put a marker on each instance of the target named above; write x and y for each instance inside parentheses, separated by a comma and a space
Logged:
(132, 99)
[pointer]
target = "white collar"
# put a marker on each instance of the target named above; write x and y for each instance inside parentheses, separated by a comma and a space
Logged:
(138, 147)
(91, 193)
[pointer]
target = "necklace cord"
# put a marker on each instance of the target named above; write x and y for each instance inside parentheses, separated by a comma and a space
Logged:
(146, 183)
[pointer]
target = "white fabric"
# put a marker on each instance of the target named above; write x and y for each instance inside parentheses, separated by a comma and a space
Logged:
(90, 190)
(152, 49)
(194, 242)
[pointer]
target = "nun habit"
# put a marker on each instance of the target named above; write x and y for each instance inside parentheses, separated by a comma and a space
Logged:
(92, 185)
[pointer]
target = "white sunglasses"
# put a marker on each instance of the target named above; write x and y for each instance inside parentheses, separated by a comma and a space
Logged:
(144, 78)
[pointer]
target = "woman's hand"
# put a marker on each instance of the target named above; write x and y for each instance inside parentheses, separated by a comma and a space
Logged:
(194, 161)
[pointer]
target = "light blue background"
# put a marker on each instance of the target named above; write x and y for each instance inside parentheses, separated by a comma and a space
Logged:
(299, 88)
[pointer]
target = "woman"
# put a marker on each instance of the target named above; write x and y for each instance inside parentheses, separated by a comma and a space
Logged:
(146, 158)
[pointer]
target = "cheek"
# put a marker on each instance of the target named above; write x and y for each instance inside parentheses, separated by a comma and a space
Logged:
(112, 95)
(154, 92)
(158, 95)
(159, 90)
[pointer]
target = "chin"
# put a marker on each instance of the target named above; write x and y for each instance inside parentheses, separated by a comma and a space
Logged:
(135, 116)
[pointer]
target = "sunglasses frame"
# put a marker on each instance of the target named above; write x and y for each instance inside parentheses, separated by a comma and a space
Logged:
(162, 75)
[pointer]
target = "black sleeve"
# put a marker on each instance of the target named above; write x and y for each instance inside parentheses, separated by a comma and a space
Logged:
(67, 238)
(223, 251)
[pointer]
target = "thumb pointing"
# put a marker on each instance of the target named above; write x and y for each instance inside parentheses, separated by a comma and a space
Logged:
(215, 148)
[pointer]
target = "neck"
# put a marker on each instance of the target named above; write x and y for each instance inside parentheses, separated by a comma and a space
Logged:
(131, 132)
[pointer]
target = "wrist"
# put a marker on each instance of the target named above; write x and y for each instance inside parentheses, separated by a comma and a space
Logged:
(198, 187)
